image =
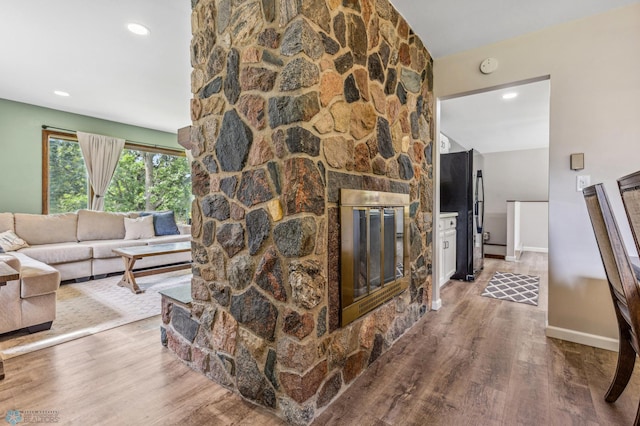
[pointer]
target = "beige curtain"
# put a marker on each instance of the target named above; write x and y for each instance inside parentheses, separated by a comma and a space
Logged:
(189, 156)
(101, 155)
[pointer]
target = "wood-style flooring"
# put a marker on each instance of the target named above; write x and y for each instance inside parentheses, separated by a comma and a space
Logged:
(476, 361)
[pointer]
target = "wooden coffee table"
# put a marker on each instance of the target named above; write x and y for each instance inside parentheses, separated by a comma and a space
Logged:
(131, 254)
(7, 273)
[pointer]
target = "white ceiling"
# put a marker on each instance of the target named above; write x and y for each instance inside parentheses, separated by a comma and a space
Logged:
(488, 123)
(452, 26)
(83, 47)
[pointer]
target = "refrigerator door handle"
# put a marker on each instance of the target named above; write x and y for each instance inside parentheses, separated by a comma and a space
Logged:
(479, 204)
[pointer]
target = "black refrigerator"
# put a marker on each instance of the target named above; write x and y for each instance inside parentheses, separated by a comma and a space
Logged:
(462, 191)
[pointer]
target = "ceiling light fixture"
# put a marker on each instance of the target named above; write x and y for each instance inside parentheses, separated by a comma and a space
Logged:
(61, 93)
(509, 95)
(138, 29)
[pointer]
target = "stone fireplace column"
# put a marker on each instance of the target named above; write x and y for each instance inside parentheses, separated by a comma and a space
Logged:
(292, 101)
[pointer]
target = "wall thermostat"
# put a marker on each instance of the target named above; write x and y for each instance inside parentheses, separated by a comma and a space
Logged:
(489, 65)
(577, 161)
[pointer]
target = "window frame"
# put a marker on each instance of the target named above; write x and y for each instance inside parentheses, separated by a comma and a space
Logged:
(72, 137)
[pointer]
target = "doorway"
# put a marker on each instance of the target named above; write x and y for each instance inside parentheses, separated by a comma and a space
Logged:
(507, 128)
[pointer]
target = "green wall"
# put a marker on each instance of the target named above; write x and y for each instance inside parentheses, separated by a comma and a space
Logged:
(21, 148)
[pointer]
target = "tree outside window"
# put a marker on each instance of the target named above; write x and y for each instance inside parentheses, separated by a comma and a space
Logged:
(143, 181)
(68, 181)
(147, 181)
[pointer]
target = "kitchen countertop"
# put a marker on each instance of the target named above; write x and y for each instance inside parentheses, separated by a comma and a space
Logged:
(446, 215)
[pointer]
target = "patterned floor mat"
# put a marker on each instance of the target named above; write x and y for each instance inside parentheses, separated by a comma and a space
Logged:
(513, 287)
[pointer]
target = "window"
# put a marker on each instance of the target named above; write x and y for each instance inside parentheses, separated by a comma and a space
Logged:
(147, 178)
(68, 188)
(150, 181)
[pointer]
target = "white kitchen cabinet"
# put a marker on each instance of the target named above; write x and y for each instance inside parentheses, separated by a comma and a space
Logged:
(447, 252)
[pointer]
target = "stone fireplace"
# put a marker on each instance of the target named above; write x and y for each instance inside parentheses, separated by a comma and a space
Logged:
(294, 102)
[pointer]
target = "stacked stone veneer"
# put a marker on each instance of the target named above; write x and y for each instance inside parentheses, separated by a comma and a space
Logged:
(294, 100)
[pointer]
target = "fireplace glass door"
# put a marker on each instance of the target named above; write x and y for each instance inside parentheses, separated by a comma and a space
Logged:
(375, 250)
(374, 253)
(378, 246)
(360, 264)
(394, 242)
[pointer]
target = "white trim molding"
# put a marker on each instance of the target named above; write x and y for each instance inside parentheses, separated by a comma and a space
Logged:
(436, 305)
(574, 336)
(536, 249)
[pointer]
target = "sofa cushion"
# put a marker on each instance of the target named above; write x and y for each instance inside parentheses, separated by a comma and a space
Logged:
(164, 223)
(103, 249)
(37, 278)
(6, 222)
(46, 229)
(95, 225)
(58, 253)
(9, 241)
(38, 309)
(72, 270)
(184, 228)
(10, 260)
(10, 307)
(138, 228)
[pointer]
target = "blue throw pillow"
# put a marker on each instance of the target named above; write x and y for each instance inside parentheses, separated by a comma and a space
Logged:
(164, 223)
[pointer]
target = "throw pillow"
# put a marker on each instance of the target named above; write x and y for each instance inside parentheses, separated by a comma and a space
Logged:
(138, 228)
(9, 241)
(164, 223)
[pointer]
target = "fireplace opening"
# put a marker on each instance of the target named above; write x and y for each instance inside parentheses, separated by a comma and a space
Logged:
(374, 249)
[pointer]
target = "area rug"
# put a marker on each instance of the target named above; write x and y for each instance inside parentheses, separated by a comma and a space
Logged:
(94, 306)
(513, 287)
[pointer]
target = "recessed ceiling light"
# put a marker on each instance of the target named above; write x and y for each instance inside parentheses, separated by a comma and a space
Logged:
(138, 29)
(61, 93)
(509, 95)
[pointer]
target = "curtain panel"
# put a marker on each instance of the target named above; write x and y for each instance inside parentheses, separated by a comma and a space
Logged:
(101, 155)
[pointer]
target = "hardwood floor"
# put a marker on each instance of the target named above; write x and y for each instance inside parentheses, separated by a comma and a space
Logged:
(482, 361)
(123, 376)
(477, 361)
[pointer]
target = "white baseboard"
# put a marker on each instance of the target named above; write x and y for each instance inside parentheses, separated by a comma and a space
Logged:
(536, 249)
(436, 304)
(510, 258)
(574, 336)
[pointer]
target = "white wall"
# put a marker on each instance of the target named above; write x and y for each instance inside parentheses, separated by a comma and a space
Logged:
(456, 147)
(527, 228)
(513, 175)
(514, 246)
(594, 69)
(534, 226)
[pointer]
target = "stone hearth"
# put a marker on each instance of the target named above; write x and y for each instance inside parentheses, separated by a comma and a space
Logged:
(292, 101)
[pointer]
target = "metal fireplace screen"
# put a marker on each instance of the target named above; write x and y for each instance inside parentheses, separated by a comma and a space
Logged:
(375, 249)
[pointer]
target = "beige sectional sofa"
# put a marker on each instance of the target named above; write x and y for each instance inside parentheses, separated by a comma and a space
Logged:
(29, 302)
(64, 247)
